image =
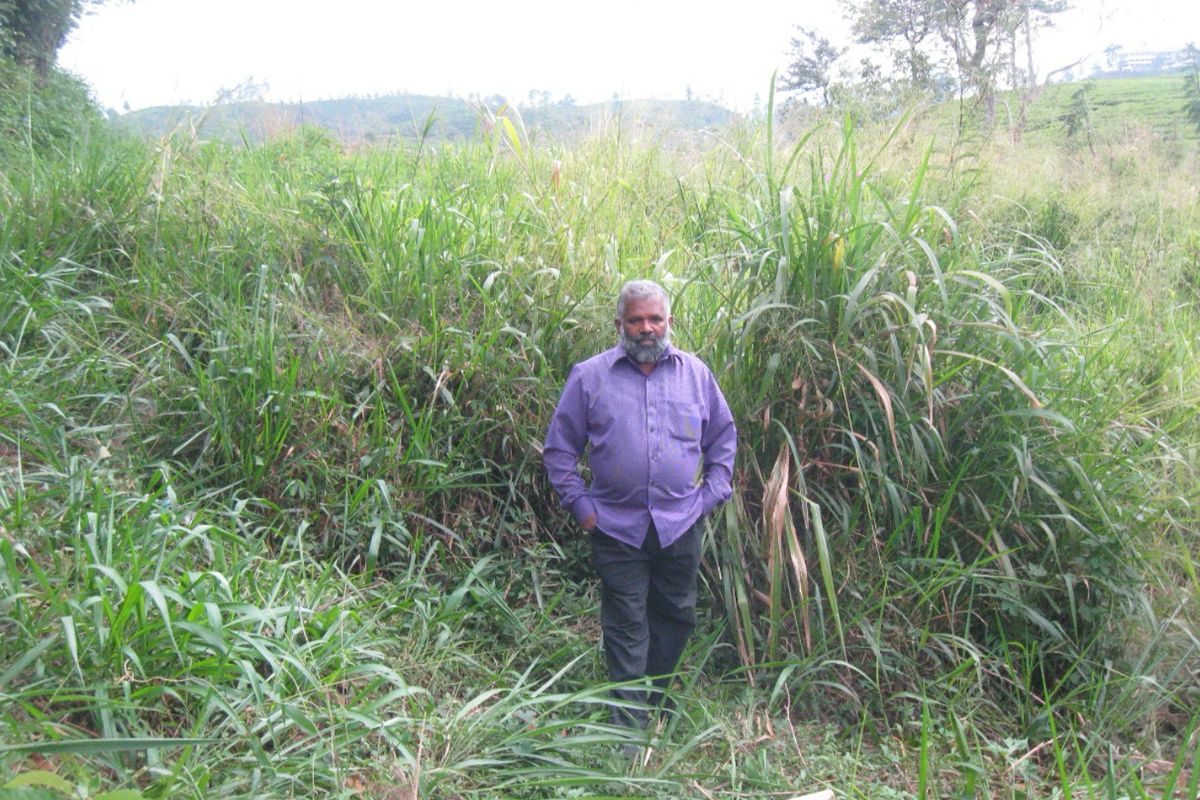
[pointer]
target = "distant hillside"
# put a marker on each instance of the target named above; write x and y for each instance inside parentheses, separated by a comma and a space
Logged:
(1108, 110)
(1116, 104)
(406, 116)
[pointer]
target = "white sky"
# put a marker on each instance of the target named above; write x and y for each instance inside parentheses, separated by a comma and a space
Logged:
(161, 52)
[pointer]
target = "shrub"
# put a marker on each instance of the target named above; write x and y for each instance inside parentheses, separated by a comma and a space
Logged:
(42, 113)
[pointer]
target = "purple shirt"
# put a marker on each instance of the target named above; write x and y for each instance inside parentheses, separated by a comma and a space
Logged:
(647, 434)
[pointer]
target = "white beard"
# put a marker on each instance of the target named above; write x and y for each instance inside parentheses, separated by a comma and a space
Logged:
(647, 349)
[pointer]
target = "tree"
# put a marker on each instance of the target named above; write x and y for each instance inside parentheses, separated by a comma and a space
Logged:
(813, 57)
(1112, 56)
(1078, 116)
(1191, 84)
(1035, 14)
(977, 38)
(974, 31)
(901, 25)
(32, 31)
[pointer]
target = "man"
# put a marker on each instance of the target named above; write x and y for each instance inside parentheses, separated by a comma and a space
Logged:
(652, 418)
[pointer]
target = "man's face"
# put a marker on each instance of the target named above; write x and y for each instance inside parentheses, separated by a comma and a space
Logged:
(645, 329)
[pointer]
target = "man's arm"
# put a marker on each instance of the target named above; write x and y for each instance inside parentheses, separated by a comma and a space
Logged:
(566, 439)
(718, 443)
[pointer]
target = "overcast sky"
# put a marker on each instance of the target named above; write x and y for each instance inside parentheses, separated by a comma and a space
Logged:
(160, 52)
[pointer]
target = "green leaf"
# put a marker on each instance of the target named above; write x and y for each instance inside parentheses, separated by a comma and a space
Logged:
(9, 675)
(89, 746)
(40, 777)
(68, 624)
(160, 602)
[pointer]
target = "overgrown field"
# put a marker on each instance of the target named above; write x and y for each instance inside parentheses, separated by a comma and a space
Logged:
(273, 521)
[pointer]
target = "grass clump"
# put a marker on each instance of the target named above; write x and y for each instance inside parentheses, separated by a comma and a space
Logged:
(912, 403)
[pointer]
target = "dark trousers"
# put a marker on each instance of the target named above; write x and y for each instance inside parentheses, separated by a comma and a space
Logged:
(647, 612)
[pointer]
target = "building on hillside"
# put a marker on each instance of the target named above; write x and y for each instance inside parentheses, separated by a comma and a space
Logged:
(1151, 60)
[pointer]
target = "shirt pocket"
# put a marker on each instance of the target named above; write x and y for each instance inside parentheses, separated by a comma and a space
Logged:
(683, 421)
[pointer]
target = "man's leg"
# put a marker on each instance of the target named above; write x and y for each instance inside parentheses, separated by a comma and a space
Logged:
(671, 606)
(624, 581)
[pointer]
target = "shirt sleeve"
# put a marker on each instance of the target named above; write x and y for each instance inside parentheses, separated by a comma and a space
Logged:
(718, 442)
(566, 439)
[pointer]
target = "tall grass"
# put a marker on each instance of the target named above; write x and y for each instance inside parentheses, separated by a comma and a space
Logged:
(274, 521)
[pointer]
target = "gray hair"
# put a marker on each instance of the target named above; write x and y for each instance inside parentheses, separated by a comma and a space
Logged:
(642, 290)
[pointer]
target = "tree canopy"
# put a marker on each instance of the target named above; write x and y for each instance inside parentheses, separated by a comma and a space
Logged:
(813, 57)
(32, 31)
(1191, 85)
(976, 45)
